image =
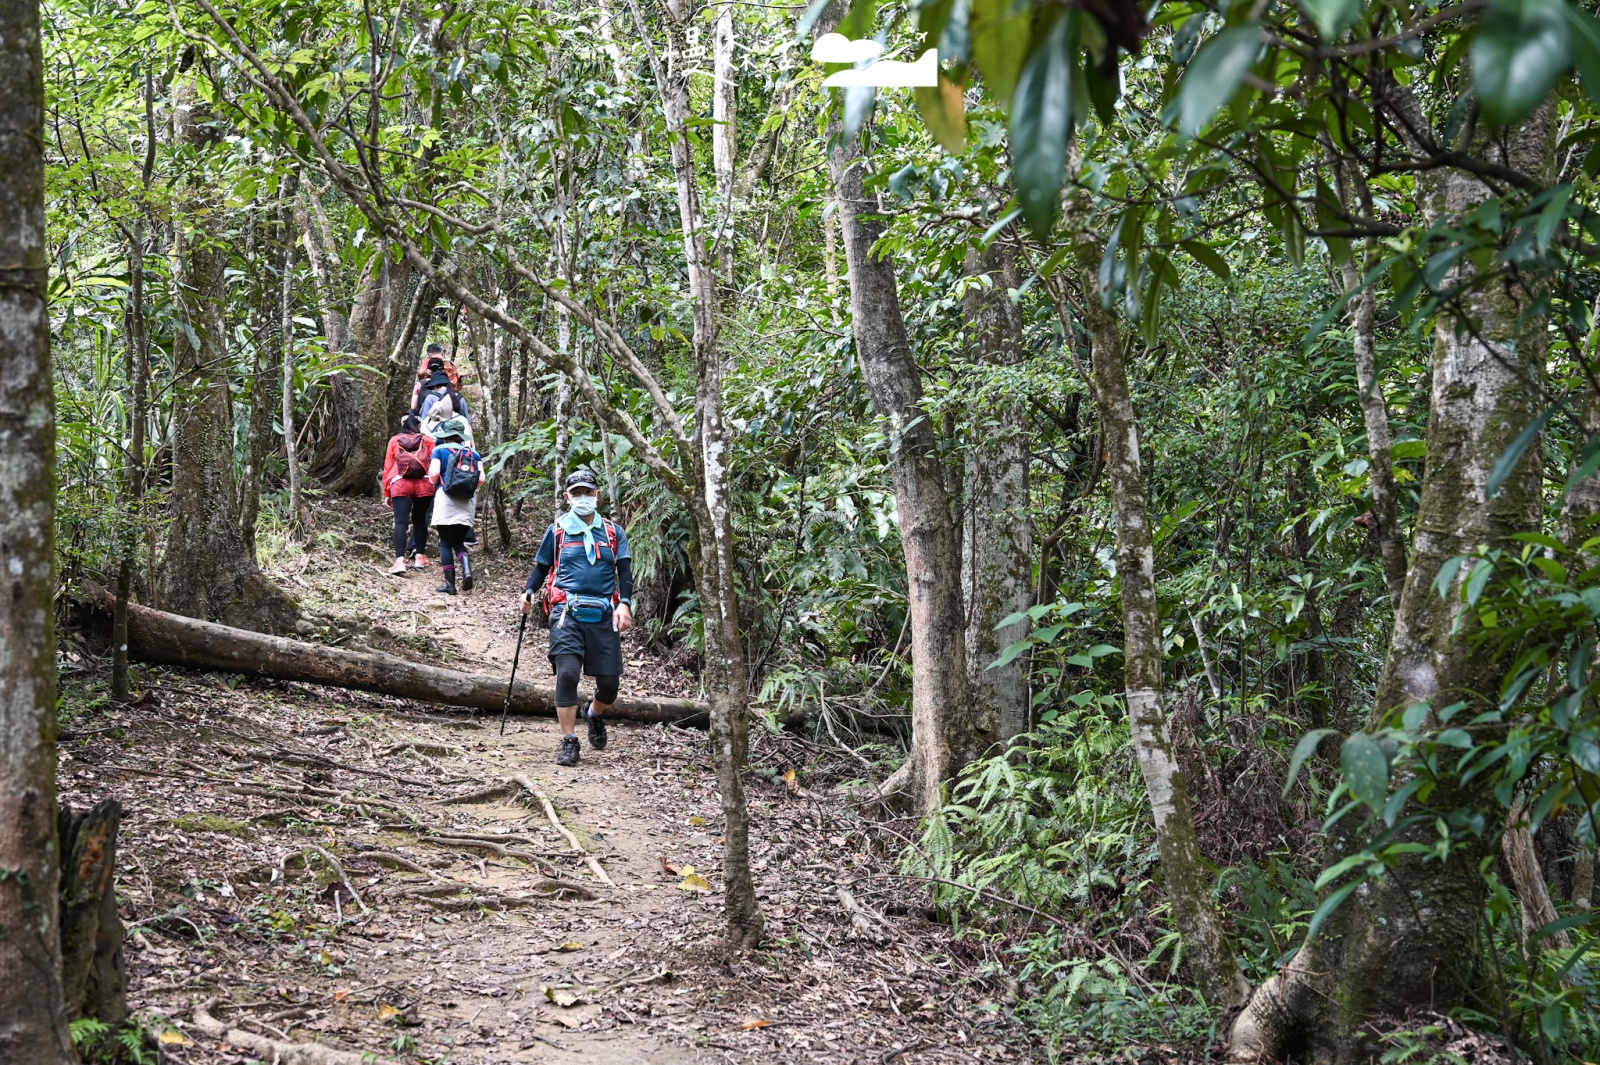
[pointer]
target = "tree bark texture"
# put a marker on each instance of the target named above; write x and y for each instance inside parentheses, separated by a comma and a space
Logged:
(33, 1021)
(93, 976)
(137, 369)
(351, 442)
(948, 729)
(169, 639)
(996, 531)
(1188, 883)
(209, 570)
(1410, 939)
(713, 547)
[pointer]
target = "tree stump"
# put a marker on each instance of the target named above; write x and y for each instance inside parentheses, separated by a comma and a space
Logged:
(94, 977)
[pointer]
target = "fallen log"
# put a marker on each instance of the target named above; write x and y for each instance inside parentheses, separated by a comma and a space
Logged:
(169, 639)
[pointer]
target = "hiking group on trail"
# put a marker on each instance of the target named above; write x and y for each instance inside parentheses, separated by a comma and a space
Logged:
(582, 578)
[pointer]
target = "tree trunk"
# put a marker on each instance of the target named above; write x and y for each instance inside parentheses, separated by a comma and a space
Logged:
(1410, 939)
(299, 516)
(33, 1022)
(1188, 884)
(724, 143)
(137, 372)
(265, 373)
(350, 449)
(93, 976)
(169, 639)
(1380, 442)
(948, 729)
(713, 547)
(335, 323)
(997, 534)
(208, 570)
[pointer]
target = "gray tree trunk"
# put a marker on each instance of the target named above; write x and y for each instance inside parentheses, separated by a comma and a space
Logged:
(350, 450)
(1410, 939)
(33, 1021)
(996, 533)
(1188, 883)
(948, 728)
(208, 570)
(713, 549)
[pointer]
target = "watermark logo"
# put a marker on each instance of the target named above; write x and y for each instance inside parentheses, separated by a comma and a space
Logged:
(869, 71)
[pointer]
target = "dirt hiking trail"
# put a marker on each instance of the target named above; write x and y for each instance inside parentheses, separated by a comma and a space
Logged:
(309, 865)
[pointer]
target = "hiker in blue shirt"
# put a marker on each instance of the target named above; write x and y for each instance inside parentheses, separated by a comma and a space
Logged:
(586, 571)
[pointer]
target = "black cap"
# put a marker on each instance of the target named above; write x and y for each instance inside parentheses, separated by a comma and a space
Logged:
(433, 348)
(438, 380)
(582, 479)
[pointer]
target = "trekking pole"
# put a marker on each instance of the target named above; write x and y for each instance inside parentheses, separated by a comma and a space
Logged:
(506, 709)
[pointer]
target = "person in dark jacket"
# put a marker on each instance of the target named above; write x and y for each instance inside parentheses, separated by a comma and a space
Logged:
(585, 562)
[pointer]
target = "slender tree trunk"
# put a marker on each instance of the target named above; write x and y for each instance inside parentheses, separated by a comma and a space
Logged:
(335, 324)
(265, 372)
(727, 672)
(137, 372)
(208, 570)
(724, 143)
(1411, 939)
(299, 517)
(997, 537)
(948, 728)
(33, 1021)
(1183, 868)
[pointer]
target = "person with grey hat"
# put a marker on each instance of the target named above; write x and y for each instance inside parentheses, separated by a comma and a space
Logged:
(583, 578)
(457, 471)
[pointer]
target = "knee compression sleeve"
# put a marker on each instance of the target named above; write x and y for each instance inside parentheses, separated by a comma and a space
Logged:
(568, 667)
(605, 689)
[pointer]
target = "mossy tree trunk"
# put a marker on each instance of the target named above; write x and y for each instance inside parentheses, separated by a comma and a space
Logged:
(996, 531)
(1183, 869)
(1411, 939)
(33, 1020)
(209, 570)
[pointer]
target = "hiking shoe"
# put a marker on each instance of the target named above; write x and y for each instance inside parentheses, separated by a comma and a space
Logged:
(597, 727)
(465, 565)
(568, 755)
(421, 562)
(398, 569)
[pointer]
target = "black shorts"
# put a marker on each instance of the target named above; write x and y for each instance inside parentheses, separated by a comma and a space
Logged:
(596, 642)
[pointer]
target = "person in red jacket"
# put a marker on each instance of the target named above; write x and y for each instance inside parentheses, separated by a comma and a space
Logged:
(409, 492)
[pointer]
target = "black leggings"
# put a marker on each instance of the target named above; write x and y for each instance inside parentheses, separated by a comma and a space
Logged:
(452, 542)
(411, 514)
(568, 668)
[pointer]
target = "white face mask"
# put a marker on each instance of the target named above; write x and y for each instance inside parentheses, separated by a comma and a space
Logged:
(583, 506)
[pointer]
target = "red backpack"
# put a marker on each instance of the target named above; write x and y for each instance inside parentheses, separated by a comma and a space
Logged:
(408, 457)
(550, 596)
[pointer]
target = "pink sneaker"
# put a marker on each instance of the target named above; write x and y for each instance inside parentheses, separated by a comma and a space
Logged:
(421, 562)
(398, 569)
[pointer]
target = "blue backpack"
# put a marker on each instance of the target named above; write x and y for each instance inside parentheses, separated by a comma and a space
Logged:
(460, 471)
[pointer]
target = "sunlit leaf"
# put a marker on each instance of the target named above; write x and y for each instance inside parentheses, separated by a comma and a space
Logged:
(1214, 75)
(1520, 50)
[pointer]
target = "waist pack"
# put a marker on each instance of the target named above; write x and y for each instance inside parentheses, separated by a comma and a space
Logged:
(585, 608)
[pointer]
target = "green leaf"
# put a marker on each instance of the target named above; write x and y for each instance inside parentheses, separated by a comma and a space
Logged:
(1513, 454)
(943, 111)
(1585, 753)
(1011, 652)
(858, 104)
(1520, 50)
(1584, 40)
(1477, 580)
(1303, 750)
(999, 32)
(1447, 574)
(1329, 904)
(1332, 17)
(1213, 76)
(1366, 770)
(1206, 256)
(1041, 122)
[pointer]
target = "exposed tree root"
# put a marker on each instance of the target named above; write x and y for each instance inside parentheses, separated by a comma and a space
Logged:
(550, 812)
(284, 1053)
